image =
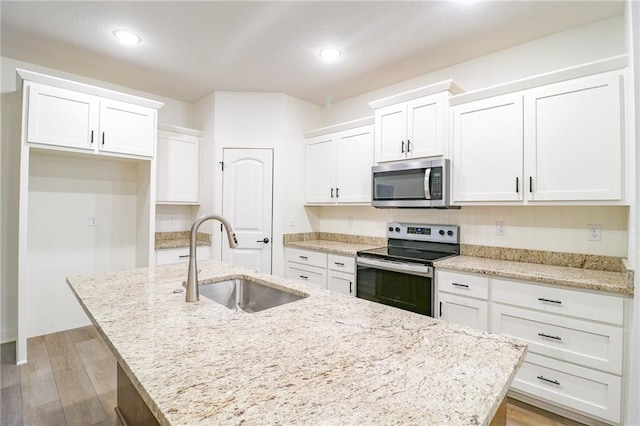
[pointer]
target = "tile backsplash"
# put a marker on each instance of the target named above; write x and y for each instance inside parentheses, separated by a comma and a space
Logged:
(549, 228)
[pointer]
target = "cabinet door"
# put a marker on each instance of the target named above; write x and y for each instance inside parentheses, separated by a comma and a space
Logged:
(573, 140)
(391, 133)
(354, 161)
(464, 311)
(487, 150)
(62, 117)
(178, 168)
(342, 283)
(321, 170)
(425, 127)
(127, 128)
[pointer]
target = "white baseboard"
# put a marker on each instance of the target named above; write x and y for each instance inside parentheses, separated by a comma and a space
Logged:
(10, 335)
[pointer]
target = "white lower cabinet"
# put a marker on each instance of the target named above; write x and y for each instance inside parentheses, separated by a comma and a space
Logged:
(180, 255)
(593, 393)
(575, 338)
(463, 299)
(331, 271)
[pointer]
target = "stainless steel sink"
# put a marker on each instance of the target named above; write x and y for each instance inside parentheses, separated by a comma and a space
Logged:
(246, 296)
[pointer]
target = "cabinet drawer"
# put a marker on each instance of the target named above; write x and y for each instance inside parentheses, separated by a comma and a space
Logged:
(463, 284)
(591, 392)
(583, 342)
(575, 303)
(306, 257)
(309, 274)
(342, 263)
(464, 311)
(180, 255)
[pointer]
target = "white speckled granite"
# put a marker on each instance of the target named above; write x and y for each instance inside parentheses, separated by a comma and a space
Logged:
(326, 359)
(612, 282)
(327, 246)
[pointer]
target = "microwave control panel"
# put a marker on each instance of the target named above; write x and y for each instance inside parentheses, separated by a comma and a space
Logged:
(436, 183)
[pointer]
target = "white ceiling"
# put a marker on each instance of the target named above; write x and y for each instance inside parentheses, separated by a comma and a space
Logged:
(190, 49)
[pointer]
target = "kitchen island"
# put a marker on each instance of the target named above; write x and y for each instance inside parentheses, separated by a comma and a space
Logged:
(324, 359)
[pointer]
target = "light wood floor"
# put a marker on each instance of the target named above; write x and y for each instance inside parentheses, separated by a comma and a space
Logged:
(70, 379)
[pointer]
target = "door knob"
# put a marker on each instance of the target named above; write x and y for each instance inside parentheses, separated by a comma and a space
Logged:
(265, 240)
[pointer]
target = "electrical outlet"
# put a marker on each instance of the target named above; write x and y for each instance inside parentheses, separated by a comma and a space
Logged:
(501, 229)
(595, 232)
(93, 221)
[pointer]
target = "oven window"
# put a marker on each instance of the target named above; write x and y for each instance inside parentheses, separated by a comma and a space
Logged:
(399, 185)
(409, 292)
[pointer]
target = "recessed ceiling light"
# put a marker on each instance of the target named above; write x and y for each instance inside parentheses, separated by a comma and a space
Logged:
(127, 37)
(330, 54)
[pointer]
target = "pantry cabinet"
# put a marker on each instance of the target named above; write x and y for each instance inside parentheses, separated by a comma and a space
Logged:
(338, 167)
(412, 124)
(560, 142)
(94, 147)
(178, 165)
(59, 117)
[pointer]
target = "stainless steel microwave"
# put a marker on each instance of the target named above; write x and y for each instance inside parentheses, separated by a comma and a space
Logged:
(411, 184)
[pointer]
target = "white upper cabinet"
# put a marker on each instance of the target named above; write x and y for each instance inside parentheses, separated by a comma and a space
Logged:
(487, 150)
(412, 124)
(127, 128)
(338, 164)
(66, 115)
(62, 117)
(178, 165)
(560, 142)
(573, 134)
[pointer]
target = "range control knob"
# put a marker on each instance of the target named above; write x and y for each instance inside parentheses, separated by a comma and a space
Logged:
(397, 229)
(450, 233)
(441, 232)
(391, 229)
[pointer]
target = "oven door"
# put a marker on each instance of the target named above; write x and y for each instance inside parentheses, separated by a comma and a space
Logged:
(402, 285)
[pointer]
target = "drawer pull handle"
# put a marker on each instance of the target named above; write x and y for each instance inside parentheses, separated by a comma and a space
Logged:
(555, 382)
(550, 337)
(460, 285)
(338, 263)
(304, 277)
(183, 256)
(350, 287)
(542, 299)
(303, 257)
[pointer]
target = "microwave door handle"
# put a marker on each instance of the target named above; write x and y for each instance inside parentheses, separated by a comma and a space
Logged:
(427, 184)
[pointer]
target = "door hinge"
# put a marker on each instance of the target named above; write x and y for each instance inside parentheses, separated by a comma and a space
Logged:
(221, 165)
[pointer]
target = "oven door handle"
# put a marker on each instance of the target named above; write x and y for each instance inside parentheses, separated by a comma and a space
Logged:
(411, 269)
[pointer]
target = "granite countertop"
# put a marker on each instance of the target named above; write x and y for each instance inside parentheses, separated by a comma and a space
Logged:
(342, 244)
(334, 247)
(591, 279)
(325, 359)
(169, 240)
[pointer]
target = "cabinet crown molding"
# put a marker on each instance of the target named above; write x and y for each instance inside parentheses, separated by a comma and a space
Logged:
(178, 129)
(366, 121)
(443, 86)
(583, 70)
(26, 75)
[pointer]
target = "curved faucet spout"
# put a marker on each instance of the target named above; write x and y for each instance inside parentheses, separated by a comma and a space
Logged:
(193, 294)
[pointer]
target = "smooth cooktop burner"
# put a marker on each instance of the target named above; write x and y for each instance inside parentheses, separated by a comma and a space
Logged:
(406, 254)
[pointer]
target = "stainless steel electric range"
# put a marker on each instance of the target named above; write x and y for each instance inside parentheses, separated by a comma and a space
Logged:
(402, 274)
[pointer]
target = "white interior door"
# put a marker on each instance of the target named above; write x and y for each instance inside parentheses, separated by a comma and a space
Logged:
(247, 200)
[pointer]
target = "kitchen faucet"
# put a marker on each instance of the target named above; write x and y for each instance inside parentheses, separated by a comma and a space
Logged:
(193, 295)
